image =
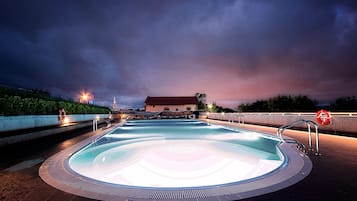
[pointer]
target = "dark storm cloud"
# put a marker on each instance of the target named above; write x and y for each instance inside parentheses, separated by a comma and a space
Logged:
(232, 50)
(66, 45)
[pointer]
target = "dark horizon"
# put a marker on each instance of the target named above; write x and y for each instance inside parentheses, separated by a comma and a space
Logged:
(234, 51)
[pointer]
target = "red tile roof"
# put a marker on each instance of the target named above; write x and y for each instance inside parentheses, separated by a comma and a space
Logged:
(182, 100)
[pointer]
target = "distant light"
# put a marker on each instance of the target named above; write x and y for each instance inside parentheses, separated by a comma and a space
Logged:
(97, 117)
(85, 97)
(66, 120)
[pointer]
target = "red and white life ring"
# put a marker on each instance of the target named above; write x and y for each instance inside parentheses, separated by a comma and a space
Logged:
(323, 117)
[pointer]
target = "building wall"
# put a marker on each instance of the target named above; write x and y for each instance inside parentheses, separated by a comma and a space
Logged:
(172, 108)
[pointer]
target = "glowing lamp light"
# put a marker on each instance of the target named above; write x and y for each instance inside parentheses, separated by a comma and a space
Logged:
(85, 97)
(66, 120)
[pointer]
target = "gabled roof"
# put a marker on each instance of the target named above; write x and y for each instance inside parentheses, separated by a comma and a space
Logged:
(180, 100)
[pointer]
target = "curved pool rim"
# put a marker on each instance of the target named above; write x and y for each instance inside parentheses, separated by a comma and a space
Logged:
(56, 172)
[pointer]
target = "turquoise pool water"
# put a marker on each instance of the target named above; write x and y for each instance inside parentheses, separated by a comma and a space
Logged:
(177, 154)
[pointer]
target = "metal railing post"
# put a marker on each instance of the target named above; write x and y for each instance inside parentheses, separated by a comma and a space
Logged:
(95, 125)
(310, 137)
(308, 123)
(317, 141)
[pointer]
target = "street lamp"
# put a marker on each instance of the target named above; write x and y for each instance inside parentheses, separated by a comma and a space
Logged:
(85, 97)
(209, 107)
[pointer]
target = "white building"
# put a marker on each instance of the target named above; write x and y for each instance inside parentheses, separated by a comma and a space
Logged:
(171, 104)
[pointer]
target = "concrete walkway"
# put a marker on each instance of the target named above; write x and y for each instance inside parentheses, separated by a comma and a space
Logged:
(333, 177)
(19, 164)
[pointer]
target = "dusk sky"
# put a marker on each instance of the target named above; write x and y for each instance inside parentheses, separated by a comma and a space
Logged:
(234, 51)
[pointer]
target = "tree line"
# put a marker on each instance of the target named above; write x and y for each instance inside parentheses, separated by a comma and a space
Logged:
(213, 108)
(37, 102)
(301, 103)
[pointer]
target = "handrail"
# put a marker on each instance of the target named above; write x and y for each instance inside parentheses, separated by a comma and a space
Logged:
(95, 125)
(308, 123)
(239, 117)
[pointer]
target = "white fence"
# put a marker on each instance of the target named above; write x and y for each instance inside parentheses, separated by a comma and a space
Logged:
(8, 123)
(340, 122)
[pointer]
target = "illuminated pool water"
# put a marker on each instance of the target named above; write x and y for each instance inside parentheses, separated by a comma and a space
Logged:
(177, 154)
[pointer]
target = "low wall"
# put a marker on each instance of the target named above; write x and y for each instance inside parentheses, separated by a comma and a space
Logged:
(340, 122)
(9, 123)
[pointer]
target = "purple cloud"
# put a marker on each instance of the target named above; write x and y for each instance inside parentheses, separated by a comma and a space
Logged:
(235, 51)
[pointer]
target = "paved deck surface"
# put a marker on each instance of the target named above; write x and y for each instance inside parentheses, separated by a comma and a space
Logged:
(334, 174)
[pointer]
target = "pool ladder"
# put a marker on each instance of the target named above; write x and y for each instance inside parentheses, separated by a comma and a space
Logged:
(309, 123)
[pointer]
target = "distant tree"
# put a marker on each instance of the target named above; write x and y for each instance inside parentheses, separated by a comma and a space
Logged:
(243, 107)
(257, 106)
(227, 110)
(260, 105)
(346, 104)
(201, 101)
(37, 102)
(202, 106)
(304, 104)
(212, 107)
(280, 103)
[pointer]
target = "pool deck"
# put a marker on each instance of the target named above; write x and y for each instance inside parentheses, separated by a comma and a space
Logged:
(333, 176)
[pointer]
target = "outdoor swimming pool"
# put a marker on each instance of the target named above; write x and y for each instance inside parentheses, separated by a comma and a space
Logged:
(176, 159)
(177, 153)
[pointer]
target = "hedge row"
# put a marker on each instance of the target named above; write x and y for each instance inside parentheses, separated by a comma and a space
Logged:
(17, 105)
